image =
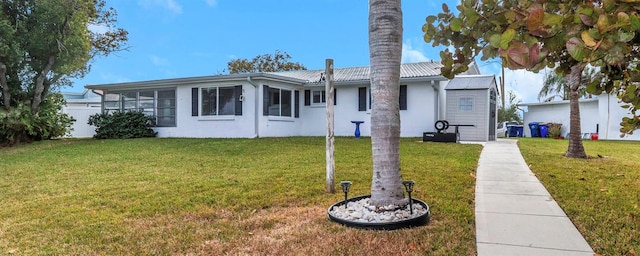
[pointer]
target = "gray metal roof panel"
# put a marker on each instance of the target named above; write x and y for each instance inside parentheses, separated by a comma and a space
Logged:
(407, 70)
(475, 82)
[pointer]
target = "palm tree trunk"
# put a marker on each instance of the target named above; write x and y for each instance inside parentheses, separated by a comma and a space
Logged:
(576, 149)
(385, 49)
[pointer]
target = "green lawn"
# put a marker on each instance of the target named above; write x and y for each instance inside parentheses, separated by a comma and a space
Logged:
(222, 196)
(601, 195)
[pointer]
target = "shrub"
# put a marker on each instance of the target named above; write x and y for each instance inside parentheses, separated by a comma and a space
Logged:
(555, 130)
(19, 125)
(122, 125)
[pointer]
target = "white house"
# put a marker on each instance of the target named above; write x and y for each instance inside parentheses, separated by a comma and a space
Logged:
(601, 115)
(278, 104)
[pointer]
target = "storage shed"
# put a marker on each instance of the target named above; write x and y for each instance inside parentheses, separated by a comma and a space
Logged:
(471, 101)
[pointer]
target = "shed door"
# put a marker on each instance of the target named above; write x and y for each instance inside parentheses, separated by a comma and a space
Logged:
(492, 115)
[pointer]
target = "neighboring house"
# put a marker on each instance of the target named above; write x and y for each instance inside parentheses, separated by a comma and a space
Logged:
(601, 115)
(81, 105)
(278, 104)
(471, 103)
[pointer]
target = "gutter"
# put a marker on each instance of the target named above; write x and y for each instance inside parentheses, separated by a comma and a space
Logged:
(256, 115)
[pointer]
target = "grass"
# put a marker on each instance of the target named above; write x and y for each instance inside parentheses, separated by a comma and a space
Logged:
(601, 195)
(220, 196)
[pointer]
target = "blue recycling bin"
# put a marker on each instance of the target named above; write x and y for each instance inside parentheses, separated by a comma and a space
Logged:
(535, 129)
(519, 130)
(512, 131)
(544, 130)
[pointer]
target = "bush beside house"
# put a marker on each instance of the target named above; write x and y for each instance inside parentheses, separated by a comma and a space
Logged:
(122, 125)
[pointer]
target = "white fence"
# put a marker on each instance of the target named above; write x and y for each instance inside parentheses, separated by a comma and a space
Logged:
(80, 128)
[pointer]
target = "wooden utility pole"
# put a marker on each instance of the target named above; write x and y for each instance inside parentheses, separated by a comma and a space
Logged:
(331, 164)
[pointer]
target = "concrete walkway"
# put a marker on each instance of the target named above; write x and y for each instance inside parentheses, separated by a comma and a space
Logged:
(515, 215)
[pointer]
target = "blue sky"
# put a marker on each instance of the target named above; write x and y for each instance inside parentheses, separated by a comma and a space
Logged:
(183, 38)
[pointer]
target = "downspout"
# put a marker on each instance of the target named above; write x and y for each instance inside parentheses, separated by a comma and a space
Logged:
(436, 99)
(256, 115)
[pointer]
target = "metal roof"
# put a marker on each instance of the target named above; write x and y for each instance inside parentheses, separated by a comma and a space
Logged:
(301, 77)
(407, 70)
(475, 82)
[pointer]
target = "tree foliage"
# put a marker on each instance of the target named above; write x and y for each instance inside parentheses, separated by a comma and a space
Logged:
(510, 111)
(532, 35)
(21, 125)
(46, 43)
(279, 61)
(554, 85)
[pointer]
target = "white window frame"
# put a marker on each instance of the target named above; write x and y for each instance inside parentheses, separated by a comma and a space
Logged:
(465, 104)
(291, 103)
(217, 88)
(323, 97)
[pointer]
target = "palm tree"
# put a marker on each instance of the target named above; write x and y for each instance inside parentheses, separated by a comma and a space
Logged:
(385, 50)
(554, 85)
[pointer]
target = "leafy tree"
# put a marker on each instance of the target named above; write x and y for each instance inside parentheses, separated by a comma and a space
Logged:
(385, 48)
(46, 43)
(555, 86)
(532, 35)
(279, 61)
(510, 111)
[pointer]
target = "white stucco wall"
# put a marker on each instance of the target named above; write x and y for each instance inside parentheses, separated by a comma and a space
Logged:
(418, 118)
(611, 114)
(211, 127)
(558, 112)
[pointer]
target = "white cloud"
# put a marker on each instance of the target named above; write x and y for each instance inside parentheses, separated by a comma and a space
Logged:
(410, 55)
(525, 84)
(158, 61)
(170, 5)
(211, 3)
(98, 28)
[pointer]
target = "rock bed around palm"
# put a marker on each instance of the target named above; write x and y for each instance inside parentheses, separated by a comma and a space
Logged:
(362, 211)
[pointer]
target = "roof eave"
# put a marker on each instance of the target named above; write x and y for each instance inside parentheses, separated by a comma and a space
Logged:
(165, 83)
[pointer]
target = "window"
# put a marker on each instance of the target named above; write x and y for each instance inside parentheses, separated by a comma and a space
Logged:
(166, 110)
(364, 98)
(218, 101)
(279, 102)
(318, 97)
(160, 104)
(465, 104)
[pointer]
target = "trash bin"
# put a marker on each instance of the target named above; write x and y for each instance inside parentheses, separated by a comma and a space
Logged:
(519, 130)
(535, 129)
(544, 130)
(512, 131)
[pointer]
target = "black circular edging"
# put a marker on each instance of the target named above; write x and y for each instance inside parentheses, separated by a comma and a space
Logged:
(408, 223)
